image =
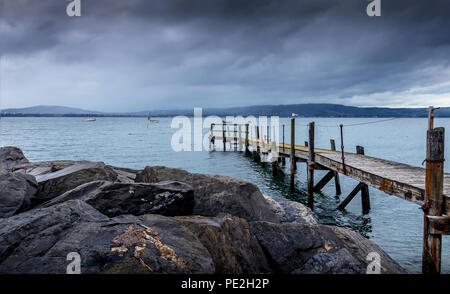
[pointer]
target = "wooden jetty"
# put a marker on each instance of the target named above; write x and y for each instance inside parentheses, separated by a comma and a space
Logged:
(428, 187)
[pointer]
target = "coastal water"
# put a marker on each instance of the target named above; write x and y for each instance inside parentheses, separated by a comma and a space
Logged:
(394, 224)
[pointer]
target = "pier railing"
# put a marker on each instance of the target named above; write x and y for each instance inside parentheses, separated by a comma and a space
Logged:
(429, 187)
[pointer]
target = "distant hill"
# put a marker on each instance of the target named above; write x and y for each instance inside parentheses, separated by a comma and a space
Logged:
(305, 110)
(47, 110)
(309, 110)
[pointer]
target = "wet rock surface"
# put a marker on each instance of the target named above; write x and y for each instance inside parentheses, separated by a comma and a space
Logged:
(39, 241)
(294, 248)
(16, 192)
(216, 194)
(56, 183)
(232, 246)
(291, 211)
(160, 220)
(10, 157)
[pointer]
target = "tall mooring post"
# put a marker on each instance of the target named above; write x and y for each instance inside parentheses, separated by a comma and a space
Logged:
(224, 139)
(433, 206)
(292, 154)
(246, 140)
(337, 182)
(311, 158)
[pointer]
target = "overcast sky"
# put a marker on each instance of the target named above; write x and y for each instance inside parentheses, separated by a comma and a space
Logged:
(161, 54)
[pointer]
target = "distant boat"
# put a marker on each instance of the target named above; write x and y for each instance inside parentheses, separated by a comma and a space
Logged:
(150, 121)
(91, 119)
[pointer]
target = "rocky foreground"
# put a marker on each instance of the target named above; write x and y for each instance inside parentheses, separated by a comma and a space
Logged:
(161, 220)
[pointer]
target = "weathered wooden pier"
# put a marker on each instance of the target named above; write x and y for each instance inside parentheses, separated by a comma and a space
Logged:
(428, 187)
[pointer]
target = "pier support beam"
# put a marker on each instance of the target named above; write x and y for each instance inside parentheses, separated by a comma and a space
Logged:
(337, 182)
(310, 163)
(319, 186)
(292, 155)
(433, 207)
(365, 198)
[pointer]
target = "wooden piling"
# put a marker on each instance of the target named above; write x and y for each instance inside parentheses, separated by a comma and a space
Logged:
(365, 197)
(341, 127)
(224, 139)
(246, 139)
(292, 154)
(433, 206)
(310, 163)
(337, 182)
(212, 142)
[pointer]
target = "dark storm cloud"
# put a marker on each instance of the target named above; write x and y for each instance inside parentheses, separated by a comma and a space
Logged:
(180, 53)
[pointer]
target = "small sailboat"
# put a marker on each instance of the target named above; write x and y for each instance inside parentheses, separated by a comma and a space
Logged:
(91, 119)
(150, 121)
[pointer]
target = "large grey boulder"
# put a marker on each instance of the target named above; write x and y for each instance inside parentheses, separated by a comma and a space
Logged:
(39, 241)
(294, 248)
(231, 244)
(16, 192)
(10, 157)
(56, 183)
(291, 211)
(168, 198)
(215, 194)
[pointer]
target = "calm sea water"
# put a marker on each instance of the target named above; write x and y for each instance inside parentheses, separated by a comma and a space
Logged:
(394, 224)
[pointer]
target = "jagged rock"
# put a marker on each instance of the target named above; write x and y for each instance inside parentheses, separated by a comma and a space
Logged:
(165, 198)
(215, 194)
(125, 175)
(294, 248)
(168, 198)
(11, 157)
(45, 167)
(56, 183)
(291, 211)
(228, 239)
(16, 192)
(39, 241)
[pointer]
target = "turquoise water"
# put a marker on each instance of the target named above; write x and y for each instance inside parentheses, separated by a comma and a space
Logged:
(394, 224)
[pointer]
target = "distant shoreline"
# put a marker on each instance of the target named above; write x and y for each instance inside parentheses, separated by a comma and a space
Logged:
(302, 110)
(191, 115)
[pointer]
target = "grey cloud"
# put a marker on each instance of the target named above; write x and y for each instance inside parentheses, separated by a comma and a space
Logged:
(154, 54)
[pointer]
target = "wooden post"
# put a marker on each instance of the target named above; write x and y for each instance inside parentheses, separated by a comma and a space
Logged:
(255, 144)
(283, 159)
(223, 137)
(434, 181)
(311, 158)
(341, 126)
(337, 182)
(292, 154)
(306, 143)
(257, 139)
(246, 139)
(212, 145)
(235, 138)
(365, 198)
